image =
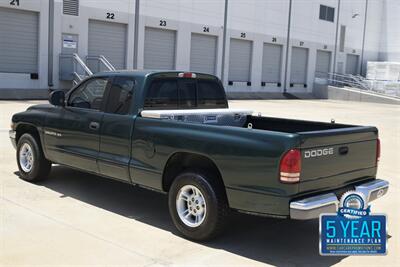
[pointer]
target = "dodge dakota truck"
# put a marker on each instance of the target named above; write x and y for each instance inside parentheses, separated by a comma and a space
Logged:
(173, 132)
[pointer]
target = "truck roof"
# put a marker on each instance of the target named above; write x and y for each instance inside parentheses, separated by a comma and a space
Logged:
(141, 73)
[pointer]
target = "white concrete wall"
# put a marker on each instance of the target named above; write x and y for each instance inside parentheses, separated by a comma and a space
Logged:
(390, 38)
(262, 21)
(185, 17)
(124, 13)
(373, 32)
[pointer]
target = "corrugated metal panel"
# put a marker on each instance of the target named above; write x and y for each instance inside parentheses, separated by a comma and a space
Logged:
(298, 68)
(323, 64)
(351, 64)
(19, 34)
(271, 63)
(108, 39)
(159, 49)
(203, 53)
(71, 7)
(240, 60)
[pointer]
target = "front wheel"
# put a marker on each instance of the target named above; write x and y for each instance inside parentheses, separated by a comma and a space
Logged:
(198, 206)
(32, 164)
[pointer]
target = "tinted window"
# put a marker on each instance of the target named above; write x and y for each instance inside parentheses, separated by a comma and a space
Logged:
(210, 95)
(187, 93)
(120, 99)
(162, 94)
(330, 14)
(322, 11)
(326, 13)
(89, 95)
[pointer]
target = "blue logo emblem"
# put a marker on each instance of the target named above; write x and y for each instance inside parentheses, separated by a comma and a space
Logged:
(353, 230)
(353, 205)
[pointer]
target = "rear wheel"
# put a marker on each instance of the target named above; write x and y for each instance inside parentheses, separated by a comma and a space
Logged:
(198, 206)
(32, 164)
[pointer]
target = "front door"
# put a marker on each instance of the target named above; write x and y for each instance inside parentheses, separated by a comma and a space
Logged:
(72, 133)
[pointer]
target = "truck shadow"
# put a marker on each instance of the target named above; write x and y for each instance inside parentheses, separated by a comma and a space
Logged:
(271, 241)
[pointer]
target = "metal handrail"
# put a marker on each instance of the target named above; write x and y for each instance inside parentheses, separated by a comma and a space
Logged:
(359, 82)
(348, 79)
(102, 59)
(76, 75)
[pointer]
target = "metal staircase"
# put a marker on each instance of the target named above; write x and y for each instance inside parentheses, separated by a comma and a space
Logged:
(101, 61)
(80, 70)
(73, 68)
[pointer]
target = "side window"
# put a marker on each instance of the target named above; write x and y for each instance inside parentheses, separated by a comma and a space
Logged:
(89, 95)
(162, 94)
(120, 97)
(187, 93)
(211, 95)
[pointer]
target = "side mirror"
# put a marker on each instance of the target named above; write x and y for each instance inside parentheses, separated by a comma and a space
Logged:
(57, 98)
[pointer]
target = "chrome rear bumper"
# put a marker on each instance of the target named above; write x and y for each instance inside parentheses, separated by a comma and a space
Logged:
(312, 207)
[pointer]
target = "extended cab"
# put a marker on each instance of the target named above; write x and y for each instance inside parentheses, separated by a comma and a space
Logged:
(173, 132)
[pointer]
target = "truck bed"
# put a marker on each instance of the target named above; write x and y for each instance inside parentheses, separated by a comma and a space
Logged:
(333, 154)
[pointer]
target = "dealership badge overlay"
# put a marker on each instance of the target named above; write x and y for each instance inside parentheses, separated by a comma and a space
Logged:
(353, 230)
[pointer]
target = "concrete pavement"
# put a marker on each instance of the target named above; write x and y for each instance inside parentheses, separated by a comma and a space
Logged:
(75, 218)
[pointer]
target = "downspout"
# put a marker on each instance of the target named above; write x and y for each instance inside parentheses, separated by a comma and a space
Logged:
(287, 46)
(363, 40)
(50, 44)
(224, 40)
(136, 35)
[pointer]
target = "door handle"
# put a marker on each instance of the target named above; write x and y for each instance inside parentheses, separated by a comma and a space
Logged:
(94, 125)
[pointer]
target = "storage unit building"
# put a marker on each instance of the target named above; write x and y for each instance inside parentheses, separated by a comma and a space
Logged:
(107, 39)
(351, 64)
(203, 53)
(159, 49)
(298, 66)
(240, 60)
(19, 39)
(323, 64)
(271, 63)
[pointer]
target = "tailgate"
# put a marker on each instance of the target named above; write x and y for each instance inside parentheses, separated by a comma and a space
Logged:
(334, 158)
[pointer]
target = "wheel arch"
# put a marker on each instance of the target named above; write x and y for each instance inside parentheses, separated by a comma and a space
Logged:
(183, 161)
(23, 128)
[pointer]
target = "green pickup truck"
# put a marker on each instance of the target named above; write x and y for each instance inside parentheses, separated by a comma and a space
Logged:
(173, 132)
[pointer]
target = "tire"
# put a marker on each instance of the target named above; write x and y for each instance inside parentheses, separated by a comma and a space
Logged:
(32, 164)
(211, 216)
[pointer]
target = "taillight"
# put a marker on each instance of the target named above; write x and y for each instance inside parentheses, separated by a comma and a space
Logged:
(290, 166)
(187, 75)
(378, 151)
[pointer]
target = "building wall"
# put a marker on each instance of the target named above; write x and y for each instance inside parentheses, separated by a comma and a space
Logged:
(23, 80)
(259, 21)
(390, 28)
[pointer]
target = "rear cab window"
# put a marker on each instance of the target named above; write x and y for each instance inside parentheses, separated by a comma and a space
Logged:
(203, 92)
(121, 95)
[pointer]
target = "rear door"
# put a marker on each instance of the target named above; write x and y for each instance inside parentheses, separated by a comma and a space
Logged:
(203, 53)
(337, 157)
(159, 49)
(72, 133)
(116, 129)
(107, 39)
(19, 41)
(298, 67)
(323, 63)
